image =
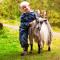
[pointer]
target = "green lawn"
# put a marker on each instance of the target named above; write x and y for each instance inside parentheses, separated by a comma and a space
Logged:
(10, 22)
(56, 29)
(9, 43)
(10, 48)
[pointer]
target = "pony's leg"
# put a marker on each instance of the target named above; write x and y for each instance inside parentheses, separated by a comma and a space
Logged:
(39, 44)
(31, 47)
(42, 44)
(41, 40)
(31, 39)
(50, 35)
(49, 48)
(39, 47)
(49, 41)
(31, 43)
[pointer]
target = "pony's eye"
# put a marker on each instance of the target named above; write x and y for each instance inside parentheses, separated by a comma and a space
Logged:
(41, 22)
(37, 21)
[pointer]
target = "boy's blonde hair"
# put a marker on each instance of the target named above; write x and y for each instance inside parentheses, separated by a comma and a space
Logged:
(24, 4)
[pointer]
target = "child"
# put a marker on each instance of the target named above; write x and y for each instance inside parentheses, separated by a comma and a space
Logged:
(27, 16)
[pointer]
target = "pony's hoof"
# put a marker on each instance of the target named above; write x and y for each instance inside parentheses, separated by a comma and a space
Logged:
(49, 49)
(24, 53)
(39, 52)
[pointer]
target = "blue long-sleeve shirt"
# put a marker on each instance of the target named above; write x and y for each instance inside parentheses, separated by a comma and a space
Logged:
(26, 18)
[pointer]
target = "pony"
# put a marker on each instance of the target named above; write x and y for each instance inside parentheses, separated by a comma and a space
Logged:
(40, 33)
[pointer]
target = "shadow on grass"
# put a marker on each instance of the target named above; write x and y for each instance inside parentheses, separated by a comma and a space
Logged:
(17, 56)
(10, 56)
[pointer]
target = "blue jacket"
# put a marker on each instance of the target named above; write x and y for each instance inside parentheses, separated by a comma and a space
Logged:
(26, 18)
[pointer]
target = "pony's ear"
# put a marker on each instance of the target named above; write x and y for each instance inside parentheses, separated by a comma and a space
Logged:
(43, 14)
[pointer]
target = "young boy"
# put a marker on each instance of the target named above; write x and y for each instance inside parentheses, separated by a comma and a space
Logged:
(27, 16)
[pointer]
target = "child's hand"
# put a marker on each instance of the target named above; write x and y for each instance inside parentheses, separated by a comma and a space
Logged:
(30, 24)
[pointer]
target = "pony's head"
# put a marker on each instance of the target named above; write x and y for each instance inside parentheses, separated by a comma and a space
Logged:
(39, 22)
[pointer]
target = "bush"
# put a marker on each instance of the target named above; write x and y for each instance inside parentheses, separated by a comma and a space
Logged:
(9, 9)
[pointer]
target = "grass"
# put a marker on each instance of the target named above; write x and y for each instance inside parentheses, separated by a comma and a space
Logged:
(17, 23)
(10, 22)
(9, 42)
(10, 48)
(56, 29)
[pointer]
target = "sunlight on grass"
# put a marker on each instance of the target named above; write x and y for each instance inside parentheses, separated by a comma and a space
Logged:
(10, 48)
(9, 42)
(56, 29)
(11, 22)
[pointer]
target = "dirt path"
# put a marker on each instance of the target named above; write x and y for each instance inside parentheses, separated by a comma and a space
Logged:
(11, 26)
(55, 34)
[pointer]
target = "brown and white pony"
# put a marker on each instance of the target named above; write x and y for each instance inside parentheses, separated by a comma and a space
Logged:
(40, 33)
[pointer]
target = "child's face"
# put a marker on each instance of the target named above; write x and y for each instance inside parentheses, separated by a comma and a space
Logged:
(24, 9)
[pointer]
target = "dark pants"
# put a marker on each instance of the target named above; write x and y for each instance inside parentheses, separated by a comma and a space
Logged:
(23, 37)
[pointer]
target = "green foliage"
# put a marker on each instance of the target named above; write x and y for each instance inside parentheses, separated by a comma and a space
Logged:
(10, 8)
(53, 16)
